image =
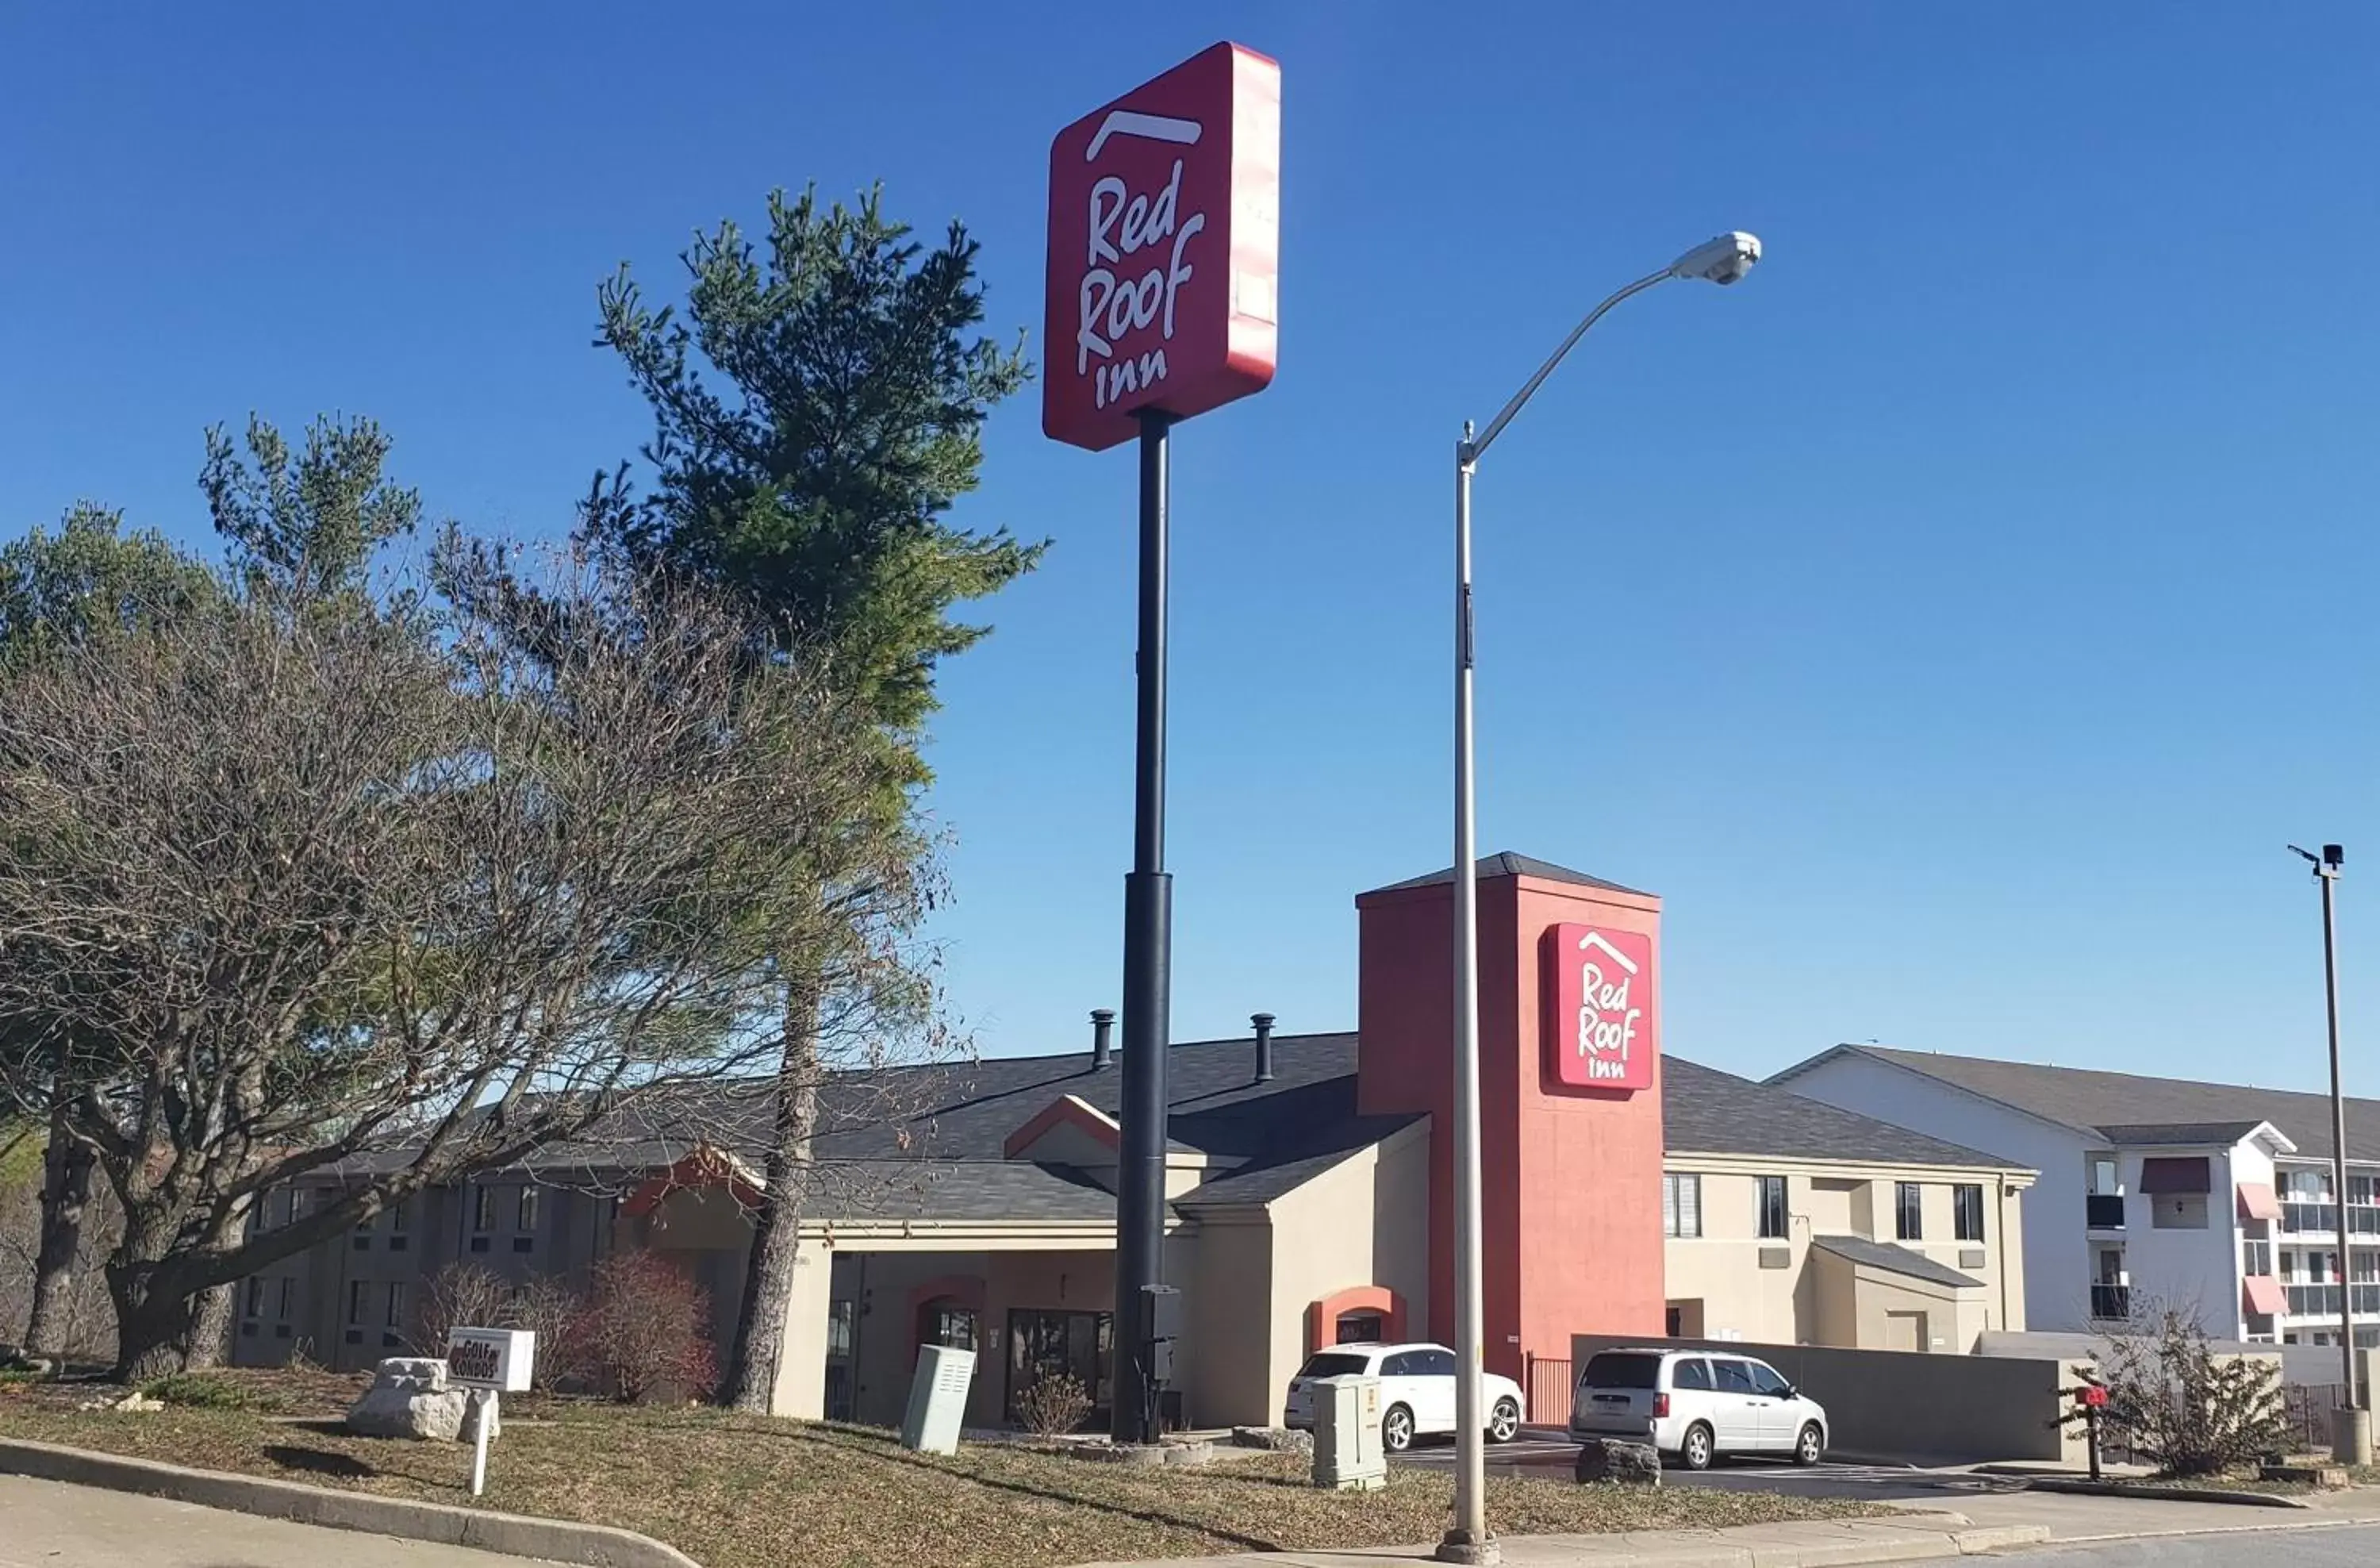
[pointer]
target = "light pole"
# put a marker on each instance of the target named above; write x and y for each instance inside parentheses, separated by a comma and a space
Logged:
(2353, 1438)
(1721, 261)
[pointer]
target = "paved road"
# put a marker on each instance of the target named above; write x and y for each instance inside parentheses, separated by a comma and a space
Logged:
(49, 1524)
(1542, 1452)
(2350, 1547)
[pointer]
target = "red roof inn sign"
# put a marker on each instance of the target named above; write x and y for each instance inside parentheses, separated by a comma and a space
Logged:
(1602, 1034)
(1164, 249)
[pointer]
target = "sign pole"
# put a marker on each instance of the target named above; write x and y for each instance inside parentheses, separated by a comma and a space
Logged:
(483, 1406)
(1148, 970)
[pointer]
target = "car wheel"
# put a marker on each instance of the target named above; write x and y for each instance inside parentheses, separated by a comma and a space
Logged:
(1504, 1422)
(1397, 1429)
(1809, 1447)
(1695, 1453)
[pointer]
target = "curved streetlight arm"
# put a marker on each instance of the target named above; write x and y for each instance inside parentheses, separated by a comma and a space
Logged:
(1473, 451)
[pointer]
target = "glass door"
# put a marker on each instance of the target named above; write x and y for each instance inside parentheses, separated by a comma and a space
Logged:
(1080, 1344)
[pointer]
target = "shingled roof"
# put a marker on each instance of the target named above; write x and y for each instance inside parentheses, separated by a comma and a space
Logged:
(1705, 1110)
(1506, 864)
(2102, 1104)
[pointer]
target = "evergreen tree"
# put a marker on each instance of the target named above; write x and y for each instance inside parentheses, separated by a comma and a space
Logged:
(819, 409)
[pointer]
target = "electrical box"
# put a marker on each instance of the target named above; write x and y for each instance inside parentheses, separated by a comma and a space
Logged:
(938, 1397)
(1347, 1454)
(1161, 1327)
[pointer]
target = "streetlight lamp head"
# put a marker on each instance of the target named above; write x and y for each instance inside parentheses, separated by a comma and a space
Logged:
(1722, 260)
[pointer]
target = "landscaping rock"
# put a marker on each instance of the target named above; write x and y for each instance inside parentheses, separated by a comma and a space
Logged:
(1277, 1440)
(410, 1398)
(1619, 1460)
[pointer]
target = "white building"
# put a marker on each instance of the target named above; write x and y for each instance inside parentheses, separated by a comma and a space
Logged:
(2213, 1197)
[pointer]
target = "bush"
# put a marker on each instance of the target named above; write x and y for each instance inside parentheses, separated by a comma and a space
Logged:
(561, 1319)
(647, 1330)
(1052, 1405)
(200, 1391)
(2188, 1410)
(460, 1295)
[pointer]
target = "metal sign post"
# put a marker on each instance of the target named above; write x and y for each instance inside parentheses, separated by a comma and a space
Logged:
(1164, 227)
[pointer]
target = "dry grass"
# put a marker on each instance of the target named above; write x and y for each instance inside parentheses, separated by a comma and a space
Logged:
(751, 1492)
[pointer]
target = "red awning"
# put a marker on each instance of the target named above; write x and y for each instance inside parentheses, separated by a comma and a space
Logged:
(2257, 1202)
(2264, 1295)
(2189, 1174)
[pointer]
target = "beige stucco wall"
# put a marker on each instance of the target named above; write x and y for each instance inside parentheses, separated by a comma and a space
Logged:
(1795, 1305)
(1230, 1287)
(801, 1367)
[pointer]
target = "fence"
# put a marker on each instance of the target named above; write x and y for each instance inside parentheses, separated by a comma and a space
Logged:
(2309, 1408)
(1546, 1382)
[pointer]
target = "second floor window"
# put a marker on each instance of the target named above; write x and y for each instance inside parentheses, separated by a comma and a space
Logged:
(1967, 1212)
(355, 1292)
(1772, 1209)
(483, 1209)
(1909, 1212)
(255, 1298)
(2256, 1257)
(524, 1218)
(1682, 1205)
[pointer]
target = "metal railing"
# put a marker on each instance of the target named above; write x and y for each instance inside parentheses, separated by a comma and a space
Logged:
(2111, 1304)
(2102, 1211)
(2309, 1219)
(2313, 1300)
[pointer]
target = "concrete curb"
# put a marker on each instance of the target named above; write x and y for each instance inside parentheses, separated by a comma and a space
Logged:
(2163, 1494)
(1844, 1544)
(553, 1540)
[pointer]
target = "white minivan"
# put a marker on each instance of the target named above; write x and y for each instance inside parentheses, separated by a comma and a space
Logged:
(1417, 1391)
(1696, 1404)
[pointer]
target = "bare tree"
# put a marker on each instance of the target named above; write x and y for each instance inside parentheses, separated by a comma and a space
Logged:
(299, 886)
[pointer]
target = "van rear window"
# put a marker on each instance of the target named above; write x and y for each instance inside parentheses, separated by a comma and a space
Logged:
(1613, 1370)
(1334, 1365)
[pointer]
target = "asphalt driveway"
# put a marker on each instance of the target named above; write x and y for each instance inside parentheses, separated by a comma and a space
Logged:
(1540, 1451)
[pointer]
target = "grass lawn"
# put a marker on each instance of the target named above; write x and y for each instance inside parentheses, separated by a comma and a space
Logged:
(751, 1492)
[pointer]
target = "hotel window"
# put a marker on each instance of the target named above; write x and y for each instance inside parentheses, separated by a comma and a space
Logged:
(1682, 1205)
(1967, 1209)
(289, 1295)
(2256, 1257)
(397, 1239)
(1909, 1212)
(395, 1319)
(483, 1209)
(1773, 1226)
(255, 1298)
(524, 1220)
(357, 1290)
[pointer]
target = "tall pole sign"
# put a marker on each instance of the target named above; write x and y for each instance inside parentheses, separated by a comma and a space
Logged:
(1164, 257)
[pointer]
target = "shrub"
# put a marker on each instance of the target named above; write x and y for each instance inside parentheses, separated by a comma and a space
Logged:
(648, 1330)
(1052, 1404)
(460, 1295)
(561, 1318)
(2188, 1410)
(200, 1391)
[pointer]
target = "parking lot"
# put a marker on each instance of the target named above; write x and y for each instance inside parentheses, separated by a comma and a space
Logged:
(1549, 1451)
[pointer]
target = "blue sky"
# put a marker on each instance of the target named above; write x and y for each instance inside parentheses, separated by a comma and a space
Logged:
(1952, 622)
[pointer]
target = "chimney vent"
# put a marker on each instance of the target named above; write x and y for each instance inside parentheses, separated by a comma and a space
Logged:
(1102, 1030)
(1263, 1021)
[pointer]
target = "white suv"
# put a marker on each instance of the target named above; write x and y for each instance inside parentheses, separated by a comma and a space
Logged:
(1417, 1391)
(1696, 1404)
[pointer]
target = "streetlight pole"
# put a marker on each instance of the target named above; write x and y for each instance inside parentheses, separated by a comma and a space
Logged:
(2353, 1438)
(1721, 261)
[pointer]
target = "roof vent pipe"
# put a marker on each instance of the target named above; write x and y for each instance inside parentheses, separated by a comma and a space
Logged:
(1263, 1021)
(1102, 1032)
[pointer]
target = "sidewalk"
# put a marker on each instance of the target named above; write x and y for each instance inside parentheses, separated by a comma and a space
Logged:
(1981, 1523)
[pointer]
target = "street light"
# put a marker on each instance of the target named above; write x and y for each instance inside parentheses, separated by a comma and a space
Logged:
(1721, 261)
(2352, 1440)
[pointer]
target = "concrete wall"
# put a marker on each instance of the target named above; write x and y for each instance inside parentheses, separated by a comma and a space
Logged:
(1233, 1327)
(1949, 1409)
(2057, 1257)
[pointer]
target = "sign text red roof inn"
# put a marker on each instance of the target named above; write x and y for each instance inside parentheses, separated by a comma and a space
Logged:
(1164, 249)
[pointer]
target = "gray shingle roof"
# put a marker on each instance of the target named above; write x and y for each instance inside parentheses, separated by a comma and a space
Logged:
(886, 1191)
(1506, 864)
(1894, 1259)
(1705, 1110)
(2088, 1099)
(2179, 1134)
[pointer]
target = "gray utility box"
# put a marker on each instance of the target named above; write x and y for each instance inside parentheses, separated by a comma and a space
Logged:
(1347, 1454)
(938, 1397)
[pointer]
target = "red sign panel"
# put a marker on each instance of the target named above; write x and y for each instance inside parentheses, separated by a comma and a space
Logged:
(1602, 1034)
(1164, 249)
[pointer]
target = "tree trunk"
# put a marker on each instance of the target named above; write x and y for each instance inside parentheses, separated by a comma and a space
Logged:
(752, 1379)
(66, 1195)
(210, 1328)
(162, 1326)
